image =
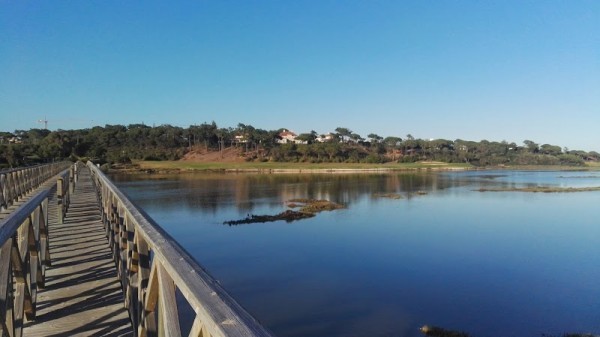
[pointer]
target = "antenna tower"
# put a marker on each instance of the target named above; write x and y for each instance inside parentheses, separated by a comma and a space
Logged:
(45, 121)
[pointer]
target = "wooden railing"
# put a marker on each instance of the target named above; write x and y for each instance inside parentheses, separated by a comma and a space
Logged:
(152, 265)
(24, 256)
(16, 183)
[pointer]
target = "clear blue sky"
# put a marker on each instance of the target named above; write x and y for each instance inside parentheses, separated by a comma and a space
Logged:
(496, 70)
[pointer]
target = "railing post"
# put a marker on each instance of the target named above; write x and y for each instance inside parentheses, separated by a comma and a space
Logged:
(6, 287)
(72, 179)
(3, 193)
(43, 238)
(60, 196)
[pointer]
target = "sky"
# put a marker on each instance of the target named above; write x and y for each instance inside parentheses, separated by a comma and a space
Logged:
(496, 70)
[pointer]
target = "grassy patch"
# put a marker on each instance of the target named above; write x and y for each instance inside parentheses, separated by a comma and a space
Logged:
(593, 164)
(314, 206)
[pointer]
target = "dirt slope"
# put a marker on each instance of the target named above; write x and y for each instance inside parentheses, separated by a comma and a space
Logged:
(229, 155)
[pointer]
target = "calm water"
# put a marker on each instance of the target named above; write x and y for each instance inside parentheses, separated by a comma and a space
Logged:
(491, 263)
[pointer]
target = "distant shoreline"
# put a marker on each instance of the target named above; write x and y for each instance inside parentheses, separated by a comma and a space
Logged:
(177, 167)
(285, 171)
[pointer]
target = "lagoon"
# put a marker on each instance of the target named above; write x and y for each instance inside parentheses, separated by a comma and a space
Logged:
(487, 263)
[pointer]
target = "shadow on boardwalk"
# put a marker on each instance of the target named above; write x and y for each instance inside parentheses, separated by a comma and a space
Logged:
(82, 295)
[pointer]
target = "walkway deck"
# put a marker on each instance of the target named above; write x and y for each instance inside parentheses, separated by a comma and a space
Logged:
(82, 295)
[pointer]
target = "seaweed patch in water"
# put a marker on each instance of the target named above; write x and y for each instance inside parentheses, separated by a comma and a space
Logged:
(288, 216)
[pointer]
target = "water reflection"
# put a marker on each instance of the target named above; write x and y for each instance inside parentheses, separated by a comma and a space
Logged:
(246, 191)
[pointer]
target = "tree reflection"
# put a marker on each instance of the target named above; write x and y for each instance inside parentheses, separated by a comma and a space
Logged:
(210, 192)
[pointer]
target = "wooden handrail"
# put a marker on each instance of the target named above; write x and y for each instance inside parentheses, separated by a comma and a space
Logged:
(24, 256)
(152, 265)
(17, 183)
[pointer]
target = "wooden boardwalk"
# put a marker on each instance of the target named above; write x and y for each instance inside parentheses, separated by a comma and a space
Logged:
(82, 295)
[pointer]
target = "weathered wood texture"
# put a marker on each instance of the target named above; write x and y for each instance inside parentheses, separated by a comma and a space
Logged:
(24, 253)
(151, 266)
(15, 184)
(82, 294)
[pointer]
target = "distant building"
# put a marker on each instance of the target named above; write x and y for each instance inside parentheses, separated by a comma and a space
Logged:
(325, 138)
(15, 140)
(240, 139)
(289, 137)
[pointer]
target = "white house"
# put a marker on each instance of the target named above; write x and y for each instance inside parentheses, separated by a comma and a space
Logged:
(15, 140)
(325, 138)
(240, 139)
(289, 137)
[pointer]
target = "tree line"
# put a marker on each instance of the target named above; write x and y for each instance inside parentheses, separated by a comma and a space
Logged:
(121, 144)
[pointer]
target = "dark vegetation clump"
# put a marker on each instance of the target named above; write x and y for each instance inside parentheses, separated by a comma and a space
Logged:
(287, 216)
(308, 209)
(435, 331)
